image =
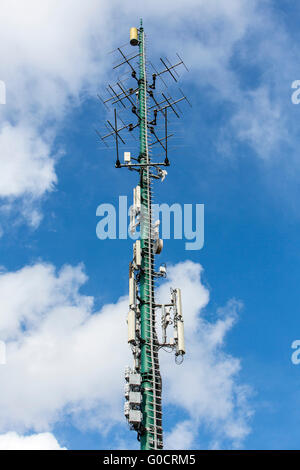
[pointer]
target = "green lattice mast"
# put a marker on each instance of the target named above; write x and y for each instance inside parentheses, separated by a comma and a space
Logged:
(151, 379)
(143, 389)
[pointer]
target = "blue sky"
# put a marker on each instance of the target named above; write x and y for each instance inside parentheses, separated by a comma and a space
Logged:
(238, 156)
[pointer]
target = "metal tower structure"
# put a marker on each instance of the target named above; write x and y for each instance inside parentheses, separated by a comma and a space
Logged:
(143, 388)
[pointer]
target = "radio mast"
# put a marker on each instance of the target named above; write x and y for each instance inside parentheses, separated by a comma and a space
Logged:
(143, 388)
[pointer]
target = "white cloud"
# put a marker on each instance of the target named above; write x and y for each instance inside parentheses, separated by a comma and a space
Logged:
(61, 357)
(181, 437)
(25, 163)
(43, 441)
(50, 55)
(66, 361)
(260, 122)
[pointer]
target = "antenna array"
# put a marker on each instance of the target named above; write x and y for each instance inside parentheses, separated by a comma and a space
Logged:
(143, 388)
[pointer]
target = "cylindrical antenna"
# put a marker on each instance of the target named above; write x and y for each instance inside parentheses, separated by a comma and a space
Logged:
(134, 36)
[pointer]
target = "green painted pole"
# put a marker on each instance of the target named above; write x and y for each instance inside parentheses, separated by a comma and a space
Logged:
(151, 436)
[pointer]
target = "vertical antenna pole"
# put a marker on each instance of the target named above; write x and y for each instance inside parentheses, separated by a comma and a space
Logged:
(166, 136)
(117, 143)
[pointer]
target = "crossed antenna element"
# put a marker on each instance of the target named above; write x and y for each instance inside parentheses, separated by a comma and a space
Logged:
(127, 98)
